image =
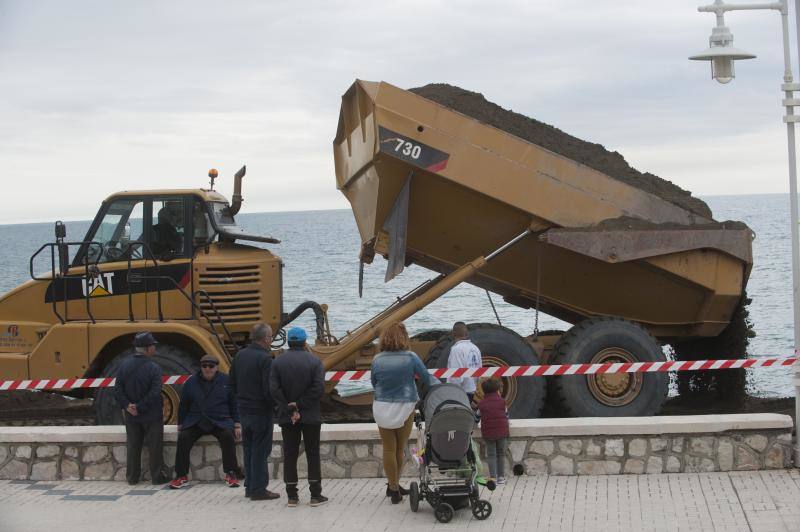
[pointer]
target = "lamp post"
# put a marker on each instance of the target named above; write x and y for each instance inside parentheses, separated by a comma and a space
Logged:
(722, 54)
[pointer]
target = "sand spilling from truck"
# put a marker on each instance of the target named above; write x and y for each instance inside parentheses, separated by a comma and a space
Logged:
(593, 155)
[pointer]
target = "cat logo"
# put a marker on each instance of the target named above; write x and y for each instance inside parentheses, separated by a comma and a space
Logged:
(451, 435)
(98, 286)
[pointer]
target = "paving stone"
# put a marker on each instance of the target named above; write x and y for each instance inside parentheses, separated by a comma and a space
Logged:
(205, 474)
(362, 451)
(746, 459)
(344, 452)
(784, 438)
(757, 442)
(23, 451)
(332, 470)
(654, 465)
(45, 470)
(365, 470)
(213, 453)
(677, 445)
(70, 469)
(535, 466)
(325, 449)
(561, 465)
(169, 456)
(120, 453)
(570, 447)
(673, 465)
(120, 474)
(634, 466)
(277, 452)
(543, 447)
(615, 447)
(377, 451)
(700, 464)
(658, 444)
(637, 447)
(4, 454)
(72, 452)
(101, 471)
(598, 467)
(725, 454)
(775, 457)
(518, 448)
(593, 449)
(95, 453)
(196, 456)
(703, 445)
(14, 470)
(46, 451)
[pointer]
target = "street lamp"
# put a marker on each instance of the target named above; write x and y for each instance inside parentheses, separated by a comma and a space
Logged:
(722, 54)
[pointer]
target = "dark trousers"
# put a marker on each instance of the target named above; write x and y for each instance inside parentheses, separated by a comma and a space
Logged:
(291, 451)
(257, 446)
(188, 437)
(150, 434)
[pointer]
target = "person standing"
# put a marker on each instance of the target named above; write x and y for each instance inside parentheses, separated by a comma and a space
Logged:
(249, 382)
(464, 354)
(138, 392)
(297, 383)
(208, 406)
(392, 375)
(494, 428)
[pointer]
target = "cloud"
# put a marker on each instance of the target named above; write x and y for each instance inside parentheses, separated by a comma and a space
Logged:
(102, 96)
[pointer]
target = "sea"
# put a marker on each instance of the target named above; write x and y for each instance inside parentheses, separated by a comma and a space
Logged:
(320, 252)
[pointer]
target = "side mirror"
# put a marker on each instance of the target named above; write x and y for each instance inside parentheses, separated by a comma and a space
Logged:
(126, 233)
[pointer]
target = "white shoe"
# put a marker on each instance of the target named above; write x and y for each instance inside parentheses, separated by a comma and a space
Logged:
(501, 480)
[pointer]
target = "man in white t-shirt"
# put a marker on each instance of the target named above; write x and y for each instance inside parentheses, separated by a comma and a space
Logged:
(464, 354)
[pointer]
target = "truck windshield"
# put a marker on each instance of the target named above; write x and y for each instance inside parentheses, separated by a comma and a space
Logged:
(222, 213)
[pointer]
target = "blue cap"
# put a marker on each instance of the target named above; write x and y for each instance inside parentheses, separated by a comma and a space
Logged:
(143, 339)
(296, 334)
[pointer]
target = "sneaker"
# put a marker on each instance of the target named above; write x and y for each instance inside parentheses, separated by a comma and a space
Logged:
(292, 502)
(501, 480)
(264, 496)
(231, 480)
(318, 500)
(178, 483)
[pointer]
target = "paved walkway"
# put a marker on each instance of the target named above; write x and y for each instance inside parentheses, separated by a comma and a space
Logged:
(768, 500)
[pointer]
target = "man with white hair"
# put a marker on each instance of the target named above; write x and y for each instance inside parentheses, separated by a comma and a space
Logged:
(138, 392)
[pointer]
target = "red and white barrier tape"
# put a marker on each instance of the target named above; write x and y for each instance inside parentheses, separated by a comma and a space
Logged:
(489, 371)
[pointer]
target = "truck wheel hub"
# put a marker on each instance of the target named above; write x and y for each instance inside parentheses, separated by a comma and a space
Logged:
(169, 405)
(614, 389)
(508, 388)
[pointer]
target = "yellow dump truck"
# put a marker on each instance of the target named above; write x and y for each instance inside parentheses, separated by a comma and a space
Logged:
(429, 186)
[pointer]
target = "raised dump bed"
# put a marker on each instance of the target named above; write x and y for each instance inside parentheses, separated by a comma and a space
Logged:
(602, 246)
(631, 260)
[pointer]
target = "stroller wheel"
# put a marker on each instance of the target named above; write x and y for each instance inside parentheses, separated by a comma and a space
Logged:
(444, 513)
(413, 496)
(481, 509)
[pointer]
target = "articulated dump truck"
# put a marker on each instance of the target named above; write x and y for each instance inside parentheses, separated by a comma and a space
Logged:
(629, 268)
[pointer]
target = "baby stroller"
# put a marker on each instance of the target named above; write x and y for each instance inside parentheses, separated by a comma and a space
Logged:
(447, 465)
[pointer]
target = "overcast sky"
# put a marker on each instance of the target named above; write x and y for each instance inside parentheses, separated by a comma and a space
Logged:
(100, 96)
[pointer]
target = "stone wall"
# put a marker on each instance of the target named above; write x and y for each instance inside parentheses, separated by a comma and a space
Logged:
(586, 446)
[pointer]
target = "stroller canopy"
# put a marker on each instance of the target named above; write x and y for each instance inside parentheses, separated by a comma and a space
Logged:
(449, 422)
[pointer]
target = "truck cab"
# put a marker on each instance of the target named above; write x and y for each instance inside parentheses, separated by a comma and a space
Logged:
(168, 261)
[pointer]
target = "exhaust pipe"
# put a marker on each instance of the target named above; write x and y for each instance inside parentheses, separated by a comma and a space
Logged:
(236, 201)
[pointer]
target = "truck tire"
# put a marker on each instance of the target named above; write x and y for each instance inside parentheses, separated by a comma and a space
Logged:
(502, 347)
(173, 361)
(599, 340)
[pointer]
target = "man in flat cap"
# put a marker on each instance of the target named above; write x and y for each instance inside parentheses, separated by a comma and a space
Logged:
(138, 392)
(208, 406)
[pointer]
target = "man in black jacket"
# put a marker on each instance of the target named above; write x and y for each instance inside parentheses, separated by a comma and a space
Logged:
(249, 382)
(138, 393)
(208, 406)
(297, 382)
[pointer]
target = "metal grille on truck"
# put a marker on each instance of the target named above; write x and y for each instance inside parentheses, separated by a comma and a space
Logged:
(235, 292)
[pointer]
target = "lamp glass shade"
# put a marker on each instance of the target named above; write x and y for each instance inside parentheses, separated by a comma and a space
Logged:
(722, 69)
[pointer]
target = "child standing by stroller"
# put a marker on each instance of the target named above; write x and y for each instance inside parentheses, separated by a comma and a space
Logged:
(494, 428)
